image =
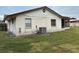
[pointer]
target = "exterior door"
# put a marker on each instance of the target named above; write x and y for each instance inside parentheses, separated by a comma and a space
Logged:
(63, 23)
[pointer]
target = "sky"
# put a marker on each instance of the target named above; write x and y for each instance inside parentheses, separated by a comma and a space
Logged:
(71, 11)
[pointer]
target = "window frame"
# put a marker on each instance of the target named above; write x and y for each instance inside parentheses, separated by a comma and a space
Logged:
(54, 23)
(44, 10)
(27, 27)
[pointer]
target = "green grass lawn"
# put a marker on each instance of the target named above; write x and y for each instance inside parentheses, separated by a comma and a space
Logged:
(65, 41)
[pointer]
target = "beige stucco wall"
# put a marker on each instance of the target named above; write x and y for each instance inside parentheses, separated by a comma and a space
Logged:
(38, 18)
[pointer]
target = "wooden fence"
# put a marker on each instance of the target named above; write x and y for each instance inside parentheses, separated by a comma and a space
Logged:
(3, 27)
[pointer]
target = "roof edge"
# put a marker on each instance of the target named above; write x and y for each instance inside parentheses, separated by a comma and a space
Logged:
(33, 10)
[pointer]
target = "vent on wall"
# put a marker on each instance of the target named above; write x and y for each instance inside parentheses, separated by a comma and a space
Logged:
(42, 30)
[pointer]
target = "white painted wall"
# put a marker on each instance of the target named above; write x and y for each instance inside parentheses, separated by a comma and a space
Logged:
(38, 18)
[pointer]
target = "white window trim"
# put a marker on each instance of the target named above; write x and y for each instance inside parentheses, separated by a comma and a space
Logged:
(29, 23)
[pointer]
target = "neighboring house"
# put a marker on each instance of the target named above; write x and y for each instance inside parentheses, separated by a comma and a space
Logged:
(42, 20)
(74, 22)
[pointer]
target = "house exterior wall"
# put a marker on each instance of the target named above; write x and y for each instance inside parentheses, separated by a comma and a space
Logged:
(38, 18)
(11, 26)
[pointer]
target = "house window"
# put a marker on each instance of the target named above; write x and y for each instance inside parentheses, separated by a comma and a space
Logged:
(44, 10)
(53, 22)
(27, 22)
